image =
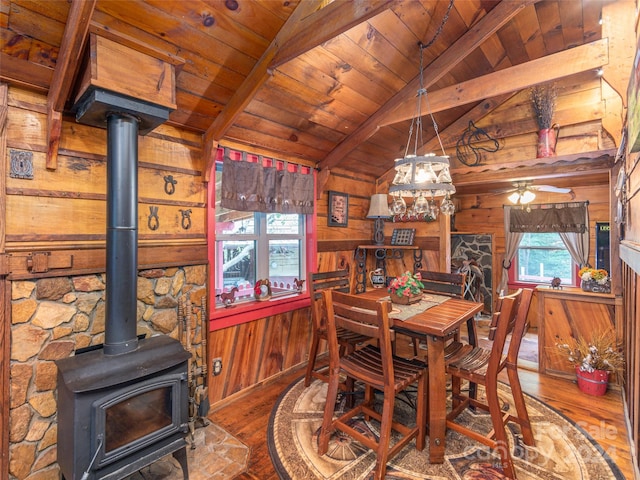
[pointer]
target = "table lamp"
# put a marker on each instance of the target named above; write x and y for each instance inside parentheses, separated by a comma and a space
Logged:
(378, 209)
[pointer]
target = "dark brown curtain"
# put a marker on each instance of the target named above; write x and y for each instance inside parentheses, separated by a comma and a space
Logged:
(252, 187)
(553, 217)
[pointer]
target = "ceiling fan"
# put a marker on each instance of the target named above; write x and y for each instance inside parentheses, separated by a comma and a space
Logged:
(524, 192)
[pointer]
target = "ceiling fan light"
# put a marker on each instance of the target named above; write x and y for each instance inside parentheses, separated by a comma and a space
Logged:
(527, 197)
(514, 197)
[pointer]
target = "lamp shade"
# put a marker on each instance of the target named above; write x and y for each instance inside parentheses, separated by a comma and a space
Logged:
(379, 208)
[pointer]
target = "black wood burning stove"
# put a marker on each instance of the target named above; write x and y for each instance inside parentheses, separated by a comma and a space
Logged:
(123, 405)
(119, 413)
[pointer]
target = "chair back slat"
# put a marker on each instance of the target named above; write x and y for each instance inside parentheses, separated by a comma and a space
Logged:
(337, 279)
(320, 281)
(510, 319)
(520, 325)
(504, 320)
(443, 283)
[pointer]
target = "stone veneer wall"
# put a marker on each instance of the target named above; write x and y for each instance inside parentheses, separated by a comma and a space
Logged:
(50, 318)
(478, 248)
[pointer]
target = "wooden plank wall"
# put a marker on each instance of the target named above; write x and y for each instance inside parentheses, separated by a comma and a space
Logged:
(630, 255)
(631, 281)
(63, 212)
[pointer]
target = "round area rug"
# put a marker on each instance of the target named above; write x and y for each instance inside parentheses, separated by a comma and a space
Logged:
(563, 450)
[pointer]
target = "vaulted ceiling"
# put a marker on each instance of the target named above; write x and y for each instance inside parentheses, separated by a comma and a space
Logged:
(334, 84)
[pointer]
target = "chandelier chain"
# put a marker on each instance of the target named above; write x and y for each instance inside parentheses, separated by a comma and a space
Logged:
(439, 31)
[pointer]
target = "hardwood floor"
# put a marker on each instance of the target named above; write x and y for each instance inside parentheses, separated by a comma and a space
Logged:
(247, 417)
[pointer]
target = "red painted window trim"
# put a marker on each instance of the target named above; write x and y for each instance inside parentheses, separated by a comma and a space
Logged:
(221, 317)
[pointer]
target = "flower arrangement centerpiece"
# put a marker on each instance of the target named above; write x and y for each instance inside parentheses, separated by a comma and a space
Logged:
(406, 289)
(593, 360)
(594, 280)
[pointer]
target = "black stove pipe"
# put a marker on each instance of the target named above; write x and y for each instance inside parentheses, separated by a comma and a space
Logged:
(122, 234)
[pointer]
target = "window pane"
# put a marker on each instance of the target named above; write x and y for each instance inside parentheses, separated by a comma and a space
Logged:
(283, 224)
(232, 222)
(543, 256)
(238, 266)
(284, 263)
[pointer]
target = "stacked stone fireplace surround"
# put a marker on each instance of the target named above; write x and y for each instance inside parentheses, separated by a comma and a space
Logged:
(50, 319)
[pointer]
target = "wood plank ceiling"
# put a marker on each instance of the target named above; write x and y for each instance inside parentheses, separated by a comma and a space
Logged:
(333, 84)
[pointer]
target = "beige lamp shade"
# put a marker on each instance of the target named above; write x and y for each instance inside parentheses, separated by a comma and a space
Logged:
(379, 208)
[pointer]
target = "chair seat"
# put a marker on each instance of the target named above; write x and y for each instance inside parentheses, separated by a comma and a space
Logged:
(367, 363)
(473, 360)
(346, 336)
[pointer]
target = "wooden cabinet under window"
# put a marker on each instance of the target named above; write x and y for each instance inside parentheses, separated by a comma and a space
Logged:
(571, 312)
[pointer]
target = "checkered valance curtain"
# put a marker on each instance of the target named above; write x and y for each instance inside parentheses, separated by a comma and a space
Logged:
(279, 187)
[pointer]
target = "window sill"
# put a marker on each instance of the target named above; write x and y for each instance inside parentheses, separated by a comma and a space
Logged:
(516, 285)
(223, 317)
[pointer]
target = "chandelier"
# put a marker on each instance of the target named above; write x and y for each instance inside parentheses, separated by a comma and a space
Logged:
(422, 177)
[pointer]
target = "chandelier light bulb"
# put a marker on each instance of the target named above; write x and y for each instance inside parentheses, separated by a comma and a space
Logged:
(398, 206)
(421, 205)
(447, 207)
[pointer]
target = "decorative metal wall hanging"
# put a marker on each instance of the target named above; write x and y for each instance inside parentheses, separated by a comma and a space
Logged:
(153, 221)
(21, 164)
(467, 145)
(186, 219)
(169, 184)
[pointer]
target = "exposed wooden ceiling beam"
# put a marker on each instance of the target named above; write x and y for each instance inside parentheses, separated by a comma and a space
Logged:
(618, 26)
(17, 71)
(75, 34)
(444, 63)
(306, 28)
(552, 67)
(327, 23)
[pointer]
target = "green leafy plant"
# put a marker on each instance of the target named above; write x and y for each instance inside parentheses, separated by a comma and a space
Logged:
(406, 285)
(601, 352)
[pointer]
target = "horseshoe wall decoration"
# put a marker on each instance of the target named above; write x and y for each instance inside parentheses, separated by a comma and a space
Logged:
(153, 221)
(186, 219)
(169, 184)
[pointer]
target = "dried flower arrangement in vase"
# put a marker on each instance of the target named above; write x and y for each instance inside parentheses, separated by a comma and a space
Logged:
(543, 100)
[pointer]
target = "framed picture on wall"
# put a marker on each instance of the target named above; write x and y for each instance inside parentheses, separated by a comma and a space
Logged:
(338, 209)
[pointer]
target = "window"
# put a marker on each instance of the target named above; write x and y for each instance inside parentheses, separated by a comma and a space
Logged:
(541, 257)
(251, 246)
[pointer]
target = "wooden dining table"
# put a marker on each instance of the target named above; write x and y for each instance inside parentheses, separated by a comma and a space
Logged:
(436, 324)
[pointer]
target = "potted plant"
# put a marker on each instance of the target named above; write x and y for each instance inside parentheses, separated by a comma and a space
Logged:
(593, 360)
(594, 280)
(406, 289)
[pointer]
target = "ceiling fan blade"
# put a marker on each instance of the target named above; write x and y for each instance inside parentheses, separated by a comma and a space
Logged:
(550, 188)
(503, 190)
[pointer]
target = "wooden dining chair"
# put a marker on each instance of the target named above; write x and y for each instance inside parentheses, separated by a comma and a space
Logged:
(335, 280)
(451, 285)
(378, 369)
(482, 366)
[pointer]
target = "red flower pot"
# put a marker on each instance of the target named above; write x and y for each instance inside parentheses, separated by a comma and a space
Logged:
(593, 383)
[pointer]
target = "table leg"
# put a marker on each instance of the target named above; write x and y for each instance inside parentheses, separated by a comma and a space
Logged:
(437, 398)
